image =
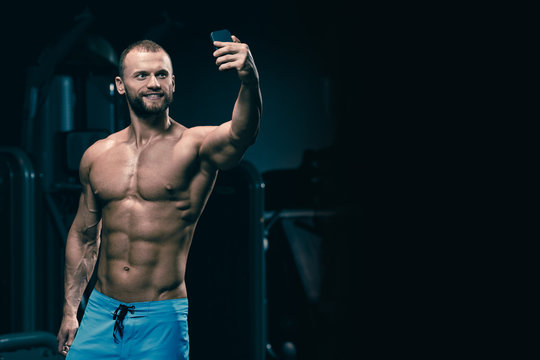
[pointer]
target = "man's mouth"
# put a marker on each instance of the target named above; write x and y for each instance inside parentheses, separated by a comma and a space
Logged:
(153, 96)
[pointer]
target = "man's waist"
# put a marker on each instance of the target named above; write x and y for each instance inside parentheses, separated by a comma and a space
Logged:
(102, 302)
(147, 290)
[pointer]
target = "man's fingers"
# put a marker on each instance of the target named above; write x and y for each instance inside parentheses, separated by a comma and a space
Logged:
(66, 334)
(225, 58)
(220, 44)
(226, 50)
(65, 339)
(230, 56)
(71, 337)
(223, 48)
(61, 341)
(229, 65)
(65, 350)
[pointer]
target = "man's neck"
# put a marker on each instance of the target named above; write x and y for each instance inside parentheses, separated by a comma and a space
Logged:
(143, 129)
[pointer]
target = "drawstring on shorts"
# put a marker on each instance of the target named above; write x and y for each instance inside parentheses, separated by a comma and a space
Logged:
(119, 315)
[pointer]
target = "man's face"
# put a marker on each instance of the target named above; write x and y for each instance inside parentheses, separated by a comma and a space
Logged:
(148, 82)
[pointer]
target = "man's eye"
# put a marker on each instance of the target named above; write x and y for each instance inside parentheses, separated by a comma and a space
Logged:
(140, 76)
(162, 76)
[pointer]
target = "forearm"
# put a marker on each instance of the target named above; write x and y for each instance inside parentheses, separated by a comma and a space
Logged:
(247, 113)
(81, 256)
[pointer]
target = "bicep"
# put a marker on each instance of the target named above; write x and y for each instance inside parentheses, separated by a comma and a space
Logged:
(221, 148)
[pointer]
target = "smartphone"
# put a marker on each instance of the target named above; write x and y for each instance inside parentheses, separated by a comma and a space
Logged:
(221, 35)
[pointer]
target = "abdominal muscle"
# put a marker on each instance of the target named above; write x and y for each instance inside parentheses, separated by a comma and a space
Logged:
(143, 252)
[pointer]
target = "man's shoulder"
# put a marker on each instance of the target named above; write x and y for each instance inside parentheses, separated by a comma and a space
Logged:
(101, 146)
(104, 144)
(198, 132)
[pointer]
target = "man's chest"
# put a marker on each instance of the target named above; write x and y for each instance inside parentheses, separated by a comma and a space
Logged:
(155, 173)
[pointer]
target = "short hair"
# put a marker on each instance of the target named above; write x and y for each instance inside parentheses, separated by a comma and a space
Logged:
(143, 45)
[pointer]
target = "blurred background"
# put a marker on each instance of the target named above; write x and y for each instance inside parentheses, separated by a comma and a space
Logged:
(271, 272)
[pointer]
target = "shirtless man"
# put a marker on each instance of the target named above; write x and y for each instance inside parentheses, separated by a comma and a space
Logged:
(144, 189)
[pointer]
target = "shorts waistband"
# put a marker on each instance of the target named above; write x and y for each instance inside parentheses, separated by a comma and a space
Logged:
(159, 306)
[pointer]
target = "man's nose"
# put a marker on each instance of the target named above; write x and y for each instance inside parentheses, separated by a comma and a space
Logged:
(153, 82)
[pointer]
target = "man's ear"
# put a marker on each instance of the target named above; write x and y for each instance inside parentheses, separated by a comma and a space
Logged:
(173, 83)
(119, 85)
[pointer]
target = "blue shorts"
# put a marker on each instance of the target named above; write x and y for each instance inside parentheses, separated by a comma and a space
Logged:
(111, 329)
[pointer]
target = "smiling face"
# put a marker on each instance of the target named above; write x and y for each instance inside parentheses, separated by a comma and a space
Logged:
(147, 81)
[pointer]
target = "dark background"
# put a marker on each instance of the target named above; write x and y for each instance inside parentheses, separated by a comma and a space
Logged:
(391, 92)
(330, 84)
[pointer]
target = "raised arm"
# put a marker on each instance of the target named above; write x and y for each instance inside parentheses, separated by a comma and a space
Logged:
(81, 254)
(225, 146)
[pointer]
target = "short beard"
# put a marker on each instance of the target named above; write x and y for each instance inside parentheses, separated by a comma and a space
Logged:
(139, 107)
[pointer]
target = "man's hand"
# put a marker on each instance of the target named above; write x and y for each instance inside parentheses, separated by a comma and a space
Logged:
(236, 55)
(66, 334)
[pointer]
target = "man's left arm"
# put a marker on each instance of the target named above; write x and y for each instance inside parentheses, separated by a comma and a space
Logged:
(225, 146)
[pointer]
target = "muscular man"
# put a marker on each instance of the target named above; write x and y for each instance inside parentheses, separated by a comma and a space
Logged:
(144, 189)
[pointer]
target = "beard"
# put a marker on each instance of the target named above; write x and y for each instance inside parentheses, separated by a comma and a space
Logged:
(142, 109)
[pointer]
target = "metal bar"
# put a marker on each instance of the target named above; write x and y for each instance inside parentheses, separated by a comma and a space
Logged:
(22, 340)
(295, 213)
(57, 218)
(27, 208)
(258, 284)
